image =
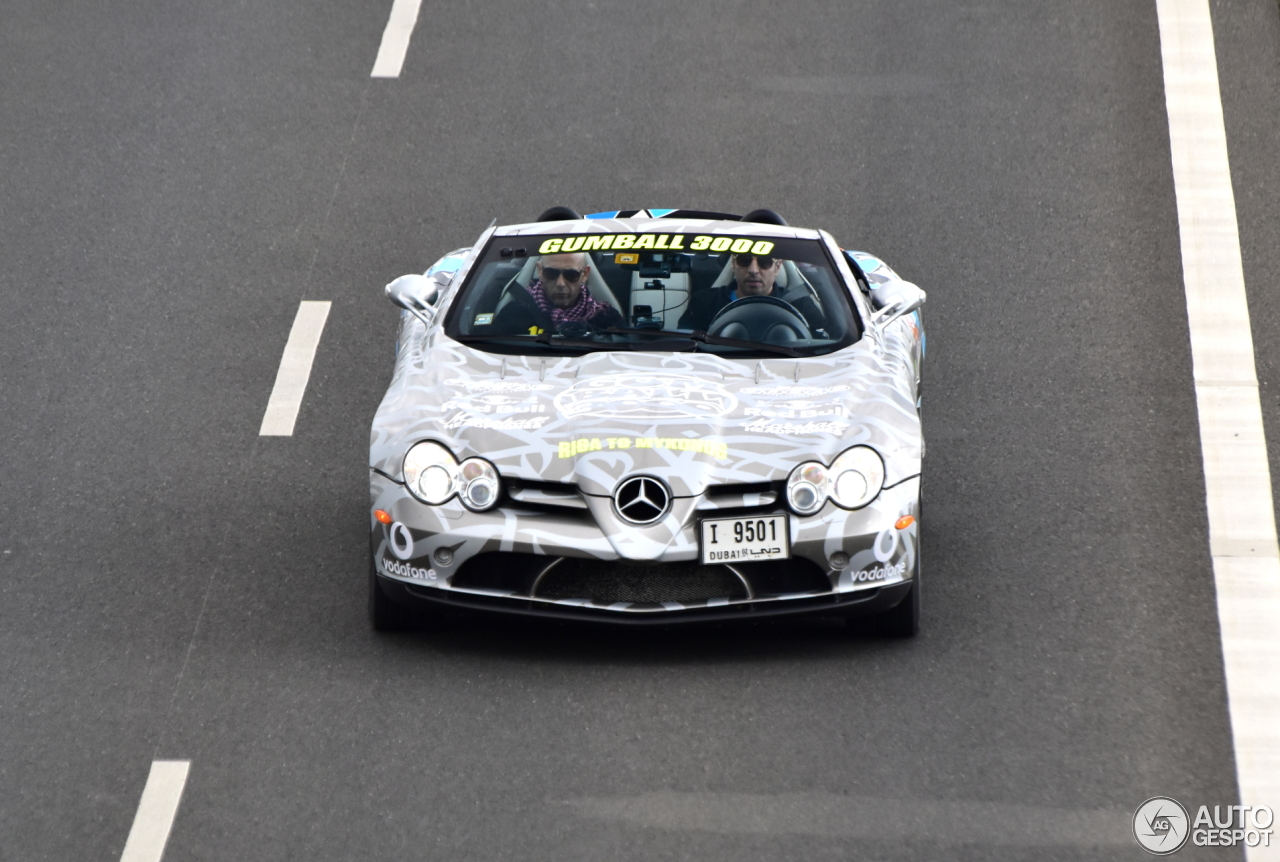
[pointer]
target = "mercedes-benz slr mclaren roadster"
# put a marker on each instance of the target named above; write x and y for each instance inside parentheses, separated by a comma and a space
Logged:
(653, 416)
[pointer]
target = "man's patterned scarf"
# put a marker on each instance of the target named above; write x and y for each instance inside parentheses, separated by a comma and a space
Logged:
(584, 309)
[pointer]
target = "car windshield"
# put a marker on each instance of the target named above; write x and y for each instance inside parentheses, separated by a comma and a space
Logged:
(731, 294)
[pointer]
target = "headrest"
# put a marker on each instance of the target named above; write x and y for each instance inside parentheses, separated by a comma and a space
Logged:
(595, 282)
(763, 216)
(558, 214)
(786, 276)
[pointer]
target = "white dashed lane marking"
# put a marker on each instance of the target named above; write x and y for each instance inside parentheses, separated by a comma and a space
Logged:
(1242, 529)
(295, 370)
(395, 39)
(156, 811)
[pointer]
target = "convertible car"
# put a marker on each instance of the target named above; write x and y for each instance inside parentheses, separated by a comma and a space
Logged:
(653, 416)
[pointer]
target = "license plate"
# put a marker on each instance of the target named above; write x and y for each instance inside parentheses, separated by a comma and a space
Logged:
(745, 540)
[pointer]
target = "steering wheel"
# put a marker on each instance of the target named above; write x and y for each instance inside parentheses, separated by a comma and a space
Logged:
(766, 319)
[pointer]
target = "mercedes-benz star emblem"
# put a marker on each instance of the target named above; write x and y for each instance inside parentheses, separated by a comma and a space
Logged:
(642, 500)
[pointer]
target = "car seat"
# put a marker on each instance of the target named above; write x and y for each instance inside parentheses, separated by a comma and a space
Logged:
(599, 288)
(789, 286)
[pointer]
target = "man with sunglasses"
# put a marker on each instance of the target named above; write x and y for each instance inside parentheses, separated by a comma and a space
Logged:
(557, 299)
(753, 275)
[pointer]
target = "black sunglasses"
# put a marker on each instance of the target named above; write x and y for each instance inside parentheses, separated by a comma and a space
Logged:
(571, 276)
(744, 260)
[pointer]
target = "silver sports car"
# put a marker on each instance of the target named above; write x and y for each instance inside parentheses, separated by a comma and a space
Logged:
(651, 416)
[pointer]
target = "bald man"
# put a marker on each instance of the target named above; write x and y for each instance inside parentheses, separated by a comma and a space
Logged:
(557, 295)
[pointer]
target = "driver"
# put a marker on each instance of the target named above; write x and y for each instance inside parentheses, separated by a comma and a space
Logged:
(753, 275)
(557, 295)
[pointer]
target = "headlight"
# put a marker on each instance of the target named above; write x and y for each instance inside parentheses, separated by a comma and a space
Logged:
(852, 481)
(807, 488)
(429, 471)
(856, 477)
(433, 475)
(477, 484)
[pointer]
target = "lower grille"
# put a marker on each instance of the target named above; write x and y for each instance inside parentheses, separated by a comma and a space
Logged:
(785, 577)
(501, 572)
(635, 581)
(639, 582)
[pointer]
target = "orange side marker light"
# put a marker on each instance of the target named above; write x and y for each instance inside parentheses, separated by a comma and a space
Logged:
(383, 517)
(905, 521)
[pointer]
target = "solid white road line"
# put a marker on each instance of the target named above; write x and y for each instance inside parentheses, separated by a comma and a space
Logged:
(156, 811)
(295, 370)
(1242, 529)
(395, 39)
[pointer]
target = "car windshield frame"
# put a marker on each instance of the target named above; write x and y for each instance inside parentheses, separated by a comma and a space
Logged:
(690, 257)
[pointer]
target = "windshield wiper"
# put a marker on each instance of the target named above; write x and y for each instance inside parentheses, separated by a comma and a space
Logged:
(702, 337)
(675, 337)
(676, 344)
(545, 338)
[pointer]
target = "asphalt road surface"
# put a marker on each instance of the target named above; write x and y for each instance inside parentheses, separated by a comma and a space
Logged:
(177, 177)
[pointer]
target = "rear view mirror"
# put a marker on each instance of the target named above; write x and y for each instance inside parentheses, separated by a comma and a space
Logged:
(892, 299)
(417, 294)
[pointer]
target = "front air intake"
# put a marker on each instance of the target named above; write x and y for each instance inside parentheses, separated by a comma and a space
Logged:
(636, 582)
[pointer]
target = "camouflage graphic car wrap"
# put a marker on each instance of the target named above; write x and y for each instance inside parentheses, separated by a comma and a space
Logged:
(723, 434)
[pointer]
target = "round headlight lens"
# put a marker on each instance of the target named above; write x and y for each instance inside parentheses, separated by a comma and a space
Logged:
(435, 485)
(806, 489)
(429, 470)
(850, 485)
(480, 495)
(479, 481)
(804, 497)
(859, 476)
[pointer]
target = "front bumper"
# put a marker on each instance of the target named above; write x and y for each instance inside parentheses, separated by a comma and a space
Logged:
(579, 561)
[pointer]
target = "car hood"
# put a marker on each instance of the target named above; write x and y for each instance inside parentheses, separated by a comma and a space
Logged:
(690, 420)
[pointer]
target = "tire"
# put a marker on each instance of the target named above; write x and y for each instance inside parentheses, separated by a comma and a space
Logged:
(385, 615)
(900, 621)
(903, 619)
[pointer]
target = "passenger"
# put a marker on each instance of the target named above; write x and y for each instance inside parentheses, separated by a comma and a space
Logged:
(557, 295)
(753, 275)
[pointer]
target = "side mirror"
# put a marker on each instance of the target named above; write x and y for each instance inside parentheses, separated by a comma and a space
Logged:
(893, 299)
(416, 294)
